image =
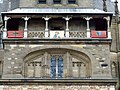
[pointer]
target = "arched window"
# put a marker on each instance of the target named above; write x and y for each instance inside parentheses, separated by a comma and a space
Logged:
(57, 66)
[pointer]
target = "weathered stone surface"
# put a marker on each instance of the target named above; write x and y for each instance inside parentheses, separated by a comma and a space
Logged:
(16, 54)
(57, 87)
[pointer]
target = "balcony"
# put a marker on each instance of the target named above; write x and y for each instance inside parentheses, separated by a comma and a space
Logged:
(57, 27)
(57, 30)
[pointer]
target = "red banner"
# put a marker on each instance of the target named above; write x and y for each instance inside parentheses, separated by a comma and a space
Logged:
(98, 34)
(15, 34)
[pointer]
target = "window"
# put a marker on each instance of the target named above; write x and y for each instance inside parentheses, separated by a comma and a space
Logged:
(71, 1)
(57, 1)
(56, 67)
(42, 1)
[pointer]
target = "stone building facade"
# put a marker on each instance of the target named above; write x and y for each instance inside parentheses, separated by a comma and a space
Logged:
(58, 45)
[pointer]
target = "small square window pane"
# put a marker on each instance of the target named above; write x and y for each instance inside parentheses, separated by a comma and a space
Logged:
(71, 1)
(57, 1)
(42, 1)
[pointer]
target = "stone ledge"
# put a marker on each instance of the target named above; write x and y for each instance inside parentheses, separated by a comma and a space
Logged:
(59, 81)
(56, 41)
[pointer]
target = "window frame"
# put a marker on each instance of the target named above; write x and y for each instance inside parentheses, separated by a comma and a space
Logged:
(56, 67)
(57, 1)
(42, 1)
(72, 2)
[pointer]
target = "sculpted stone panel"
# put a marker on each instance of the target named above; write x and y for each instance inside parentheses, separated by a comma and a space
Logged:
(56, 65)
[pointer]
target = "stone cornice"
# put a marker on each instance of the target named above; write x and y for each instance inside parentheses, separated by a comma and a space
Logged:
(57, 41)
(58, 81)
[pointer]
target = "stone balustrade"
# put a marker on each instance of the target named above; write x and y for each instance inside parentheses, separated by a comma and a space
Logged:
(77, 34)
(59, 34)
(36, 34)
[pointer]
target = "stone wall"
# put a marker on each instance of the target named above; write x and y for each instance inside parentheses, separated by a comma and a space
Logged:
(15, 4)
(36, 25)
(15, 55)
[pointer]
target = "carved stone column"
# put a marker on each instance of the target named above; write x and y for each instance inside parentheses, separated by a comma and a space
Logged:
(67, 26)
(46, 26)
(5, 26)
(108, 26)
(26, 26)
(88, 26)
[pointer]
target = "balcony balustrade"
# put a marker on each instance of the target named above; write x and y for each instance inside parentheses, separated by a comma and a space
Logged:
(36, 34)
(57, 34)
(77, 34)
(15, 34)
(98, 34)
